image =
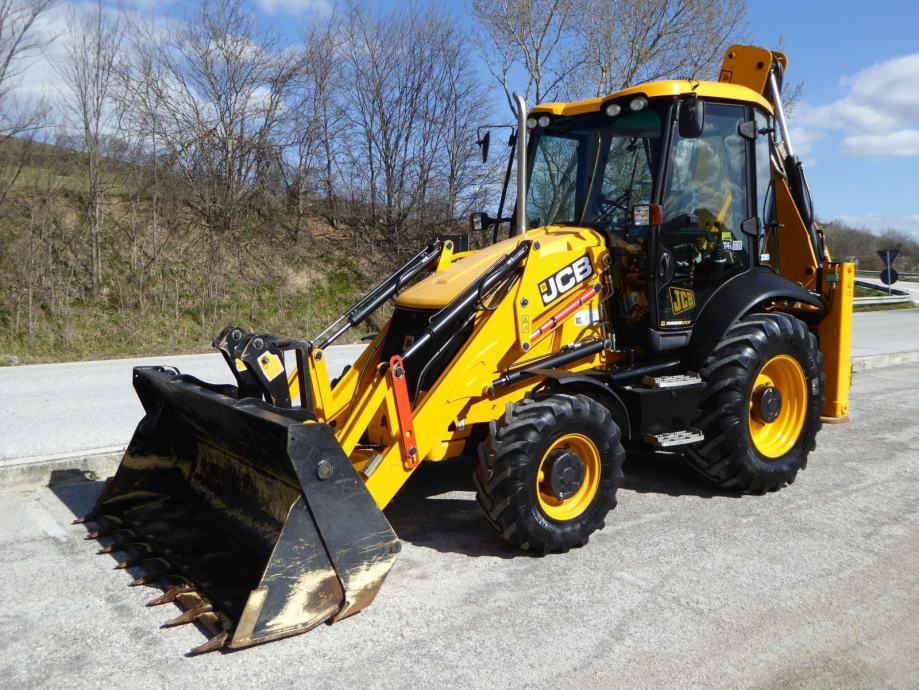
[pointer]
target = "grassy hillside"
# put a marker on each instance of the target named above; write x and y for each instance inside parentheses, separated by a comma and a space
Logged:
(167, 284)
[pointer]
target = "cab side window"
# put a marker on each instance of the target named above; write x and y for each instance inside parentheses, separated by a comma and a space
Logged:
(705, 202)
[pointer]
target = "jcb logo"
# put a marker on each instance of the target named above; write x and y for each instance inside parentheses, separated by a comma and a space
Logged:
(573, 274)
(681, 300)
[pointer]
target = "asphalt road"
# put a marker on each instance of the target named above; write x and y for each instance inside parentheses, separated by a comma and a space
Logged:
(84, 407)
(52, 410)
(813, 586)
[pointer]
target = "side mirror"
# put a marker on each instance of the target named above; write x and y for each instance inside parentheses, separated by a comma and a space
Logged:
(479, 221)
(484, 143)
(692, 117)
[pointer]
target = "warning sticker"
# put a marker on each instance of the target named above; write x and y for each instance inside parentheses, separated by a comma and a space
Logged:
(586, 317)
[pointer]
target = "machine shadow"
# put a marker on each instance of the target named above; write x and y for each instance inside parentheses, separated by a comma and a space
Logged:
(437, 508)
(75, 490)
(424, 515)
(659, 472)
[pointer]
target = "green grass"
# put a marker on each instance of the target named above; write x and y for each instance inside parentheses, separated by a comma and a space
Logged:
(98, 331)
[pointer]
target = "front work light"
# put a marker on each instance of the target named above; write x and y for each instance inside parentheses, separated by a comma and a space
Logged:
(613, 109)
(638, 103)
(531, 123)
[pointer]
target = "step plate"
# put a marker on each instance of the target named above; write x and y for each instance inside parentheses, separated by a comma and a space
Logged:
(673, 381)
(681, 437)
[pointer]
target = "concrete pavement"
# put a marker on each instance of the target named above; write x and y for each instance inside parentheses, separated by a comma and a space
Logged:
(814, 586)
(887, 332)
(88, 408)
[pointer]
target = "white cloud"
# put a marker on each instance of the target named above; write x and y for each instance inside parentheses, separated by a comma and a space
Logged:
(903, 142)
(294, 6)
(878, 115)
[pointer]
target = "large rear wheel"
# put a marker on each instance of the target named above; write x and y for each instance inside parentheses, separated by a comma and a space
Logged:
(761, 410)
(548, 473)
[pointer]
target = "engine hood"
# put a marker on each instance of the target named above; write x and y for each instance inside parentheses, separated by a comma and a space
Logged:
(438, 289)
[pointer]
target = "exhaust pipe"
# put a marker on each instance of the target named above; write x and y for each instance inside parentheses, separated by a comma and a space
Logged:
(521, 163)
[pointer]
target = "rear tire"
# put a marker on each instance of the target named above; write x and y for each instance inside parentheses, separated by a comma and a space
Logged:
(742, 450)
(533, 446)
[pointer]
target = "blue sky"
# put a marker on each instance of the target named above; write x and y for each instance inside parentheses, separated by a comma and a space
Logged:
(856, 124)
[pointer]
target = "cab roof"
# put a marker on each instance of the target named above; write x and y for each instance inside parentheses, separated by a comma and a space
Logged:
(657, 89)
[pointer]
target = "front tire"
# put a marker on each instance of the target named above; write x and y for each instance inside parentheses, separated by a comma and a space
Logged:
(761, 410)
(548, 473)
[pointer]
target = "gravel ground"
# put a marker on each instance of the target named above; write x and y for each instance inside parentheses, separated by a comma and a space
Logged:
(813, 586)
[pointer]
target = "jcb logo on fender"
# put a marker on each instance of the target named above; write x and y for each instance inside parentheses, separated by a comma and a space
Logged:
(681, 300)
(566, 279)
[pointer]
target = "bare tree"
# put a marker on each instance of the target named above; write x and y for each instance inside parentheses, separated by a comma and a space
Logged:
(535, 36)
(94, 107)
(213, 91)
(312, 126)
(217, 85)
(630, 41)
(581, 48)
(414, 105)
(20, 41)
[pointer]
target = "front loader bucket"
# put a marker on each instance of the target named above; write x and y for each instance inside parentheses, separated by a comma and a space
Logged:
(255, 522)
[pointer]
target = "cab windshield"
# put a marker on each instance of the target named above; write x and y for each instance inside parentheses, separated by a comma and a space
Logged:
(592, 169)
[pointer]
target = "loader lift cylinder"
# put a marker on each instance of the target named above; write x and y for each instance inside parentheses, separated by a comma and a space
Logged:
(382, 292)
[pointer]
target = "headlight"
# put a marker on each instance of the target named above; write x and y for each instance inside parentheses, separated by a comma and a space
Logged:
(544, 121)
(613, 109)
(531, 123)
(639, 103)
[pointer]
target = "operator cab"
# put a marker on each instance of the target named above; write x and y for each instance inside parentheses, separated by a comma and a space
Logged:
(678, 184)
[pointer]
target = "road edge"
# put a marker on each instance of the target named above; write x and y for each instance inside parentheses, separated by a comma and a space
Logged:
(28, 473)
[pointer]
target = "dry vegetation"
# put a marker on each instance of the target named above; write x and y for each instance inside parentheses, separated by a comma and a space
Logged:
(203, 171)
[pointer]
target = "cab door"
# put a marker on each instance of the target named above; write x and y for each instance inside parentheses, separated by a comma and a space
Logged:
(706, 198)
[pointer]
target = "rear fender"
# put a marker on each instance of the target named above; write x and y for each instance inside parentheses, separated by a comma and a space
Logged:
(733, 300)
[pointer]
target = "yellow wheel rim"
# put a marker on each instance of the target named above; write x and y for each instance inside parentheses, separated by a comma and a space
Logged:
(775, 438)
(574, 505)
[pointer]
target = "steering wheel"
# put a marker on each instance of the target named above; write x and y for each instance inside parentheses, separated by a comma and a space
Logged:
(609, 206)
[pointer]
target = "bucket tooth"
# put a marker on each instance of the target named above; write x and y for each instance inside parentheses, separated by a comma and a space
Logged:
(138, 550)
(125, 537)
(132, 498)
(153, 574)
(106, 525)
(129, 563)
(218, 641)
(89, 517)
(170, 594)
(189, 616)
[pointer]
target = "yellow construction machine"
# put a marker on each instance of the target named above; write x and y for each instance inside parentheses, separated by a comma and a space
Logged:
(663, 283)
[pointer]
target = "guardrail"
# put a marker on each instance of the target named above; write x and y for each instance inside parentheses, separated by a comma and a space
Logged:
(903, 275)
(896, 296)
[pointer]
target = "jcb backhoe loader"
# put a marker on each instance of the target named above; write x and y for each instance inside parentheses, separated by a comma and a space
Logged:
(664, 283)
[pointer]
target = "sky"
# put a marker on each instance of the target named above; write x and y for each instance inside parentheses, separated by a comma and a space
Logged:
(856, 124)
